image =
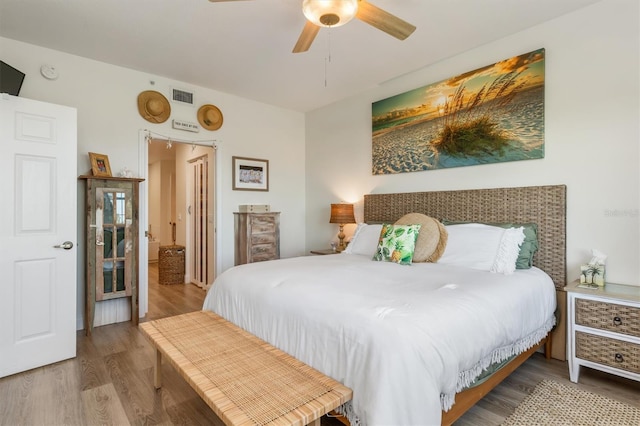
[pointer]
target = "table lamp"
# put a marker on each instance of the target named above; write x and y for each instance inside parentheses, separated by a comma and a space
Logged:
(342, 214)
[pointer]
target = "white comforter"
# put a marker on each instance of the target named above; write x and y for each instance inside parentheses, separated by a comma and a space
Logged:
(404, 338)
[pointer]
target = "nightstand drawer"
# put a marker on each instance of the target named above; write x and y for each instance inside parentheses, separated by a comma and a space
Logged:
(608, 316)
(611, 352)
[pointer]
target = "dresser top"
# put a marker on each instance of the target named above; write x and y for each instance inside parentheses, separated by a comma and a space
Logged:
(610, 290)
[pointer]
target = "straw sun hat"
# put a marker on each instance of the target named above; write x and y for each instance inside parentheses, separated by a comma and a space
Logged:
(153, 106)
(210, 117)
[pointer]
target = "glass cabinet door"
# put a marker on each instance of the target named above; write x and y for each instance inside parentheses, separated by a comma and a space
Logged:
(113, 243)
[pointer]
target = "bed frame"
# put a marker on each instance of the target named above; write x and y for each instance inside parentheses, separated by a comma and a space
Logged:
(543, 205)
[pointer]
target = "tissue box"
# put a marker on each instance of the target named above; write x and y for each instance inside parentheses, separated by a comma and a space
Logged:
(592, 274)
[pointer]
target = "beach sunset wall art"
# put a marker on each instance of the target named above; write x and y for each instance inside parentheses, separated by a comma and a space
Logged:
(489, 115)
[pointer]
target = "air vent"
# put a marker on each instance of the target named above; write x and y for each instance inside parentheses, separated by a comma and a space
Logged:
(182, 96)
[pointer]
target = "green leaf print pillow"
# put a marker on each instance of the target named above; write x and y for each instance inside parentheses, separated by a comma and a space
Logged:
(397, 243)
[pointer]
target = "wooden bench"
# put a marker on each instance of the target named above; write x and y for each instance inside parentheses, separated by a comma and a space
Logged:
(242, 378)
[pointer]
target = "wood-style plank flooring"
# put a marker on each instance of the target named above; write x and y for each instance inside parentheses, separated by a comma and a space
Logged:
(111, 380)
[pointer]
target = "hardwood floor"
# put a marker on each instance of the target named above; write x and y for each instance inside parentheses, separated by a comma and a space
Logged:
(111, 380)
(170, 300)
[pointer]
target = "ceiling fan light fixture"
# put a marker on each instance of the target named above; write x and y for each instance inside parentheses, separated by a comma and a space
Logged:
(329, 13)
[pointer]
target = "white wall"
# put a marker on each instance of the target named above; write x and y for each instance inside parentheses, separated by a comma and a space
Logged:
(160, 190)
(167, 201)
(591, 135)
(109, 123)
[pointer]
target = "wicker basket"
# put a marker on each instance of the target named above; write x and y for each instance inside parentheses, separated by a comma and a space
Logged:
(171, 265)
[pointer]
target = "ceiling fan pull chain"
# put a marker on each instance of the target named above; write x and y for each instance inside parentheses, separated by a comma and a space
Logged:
(329, 43)
(327, 59)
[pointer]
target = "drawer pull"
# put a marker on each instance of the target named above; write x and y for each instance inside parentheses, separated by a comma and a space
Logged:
(619, 358)
(617, 321)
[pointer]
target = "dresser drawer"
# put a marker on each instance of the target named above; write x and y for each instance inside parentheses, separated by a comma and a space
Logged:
(263, 238)
(608, 316)
(611, 352)
(264, 223)
(260, 252)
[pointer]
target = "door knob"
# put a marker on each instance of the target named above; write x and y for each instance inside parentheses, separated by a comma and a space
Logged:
(67, 245)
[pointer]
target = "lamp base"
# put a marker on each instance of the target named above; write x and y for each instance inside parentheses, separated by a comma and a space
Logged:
(341, 244)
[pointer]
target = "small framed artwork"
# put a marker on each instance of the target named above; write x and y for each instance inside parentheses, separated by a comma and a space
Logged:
(250, 174)
(100, 164)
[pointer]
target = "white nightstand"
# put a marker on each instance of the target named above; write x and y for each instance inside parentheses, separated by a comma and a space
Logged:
(603, 329)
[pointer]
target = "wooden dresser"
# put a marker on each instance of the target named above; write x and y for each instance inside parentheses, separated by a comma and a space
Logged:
(257, 237)
(604, 329)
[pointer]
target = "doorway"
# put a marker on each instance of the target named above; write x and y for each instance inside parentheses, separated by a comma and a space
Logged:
(180, 207)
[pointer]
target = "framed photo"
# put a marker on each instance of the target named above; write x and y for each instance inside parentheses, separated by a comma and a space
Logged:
(250, 174)
(100, 164)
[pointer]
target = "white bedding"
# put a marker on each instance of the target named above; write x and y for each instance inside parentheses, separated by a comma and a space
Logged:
(404, 338)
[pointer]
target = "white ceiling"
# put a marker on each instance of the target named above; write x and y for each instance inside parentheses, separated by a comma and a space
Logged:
(244, 47)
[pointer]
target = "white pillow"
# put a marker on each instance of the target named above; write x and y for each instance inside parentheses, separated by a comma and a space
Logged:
(508, 251)
(364, 240)
(484, 247)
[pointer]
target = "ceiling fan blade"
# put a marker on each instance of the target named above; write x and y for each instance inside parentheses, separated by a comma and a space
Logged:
(307, 36)
(384, 21)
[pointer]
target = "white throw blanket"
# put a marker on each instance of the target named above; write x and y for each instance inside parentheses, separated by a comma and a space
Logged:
(404, 338)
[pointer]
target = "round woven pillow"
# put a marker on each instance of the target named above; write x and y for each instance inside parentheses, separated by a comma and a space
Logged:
(432, 238)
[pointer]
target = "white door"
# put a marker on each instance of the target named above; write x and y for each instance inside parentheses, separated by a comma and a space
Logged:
(38, 187)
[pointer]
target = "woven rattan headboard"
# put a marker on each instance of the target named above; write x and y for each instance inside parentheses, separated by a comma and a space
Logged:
(543, 205)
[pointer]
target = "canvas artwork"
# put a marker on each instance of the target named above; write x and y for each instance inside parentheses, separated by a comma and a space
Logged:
(489, 115)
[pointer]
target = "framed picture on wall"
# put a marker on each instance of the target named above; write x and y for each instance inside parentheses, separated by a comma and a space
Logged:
(100, 164)
(250, 174)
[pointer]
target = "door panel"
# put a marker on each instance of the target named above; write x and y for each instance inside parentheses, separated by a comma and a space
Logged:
(35, 127)
(38, 186)
(114, 217)
(34, 194)
(33, 288)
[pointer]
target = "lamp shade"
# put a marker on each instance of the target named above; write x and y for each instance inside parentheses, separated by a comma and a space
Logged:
(329, 13)
(342, 214)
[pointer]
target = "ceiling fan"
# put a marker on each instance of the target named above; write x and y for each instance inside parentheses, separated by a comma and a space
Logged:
(334, 13)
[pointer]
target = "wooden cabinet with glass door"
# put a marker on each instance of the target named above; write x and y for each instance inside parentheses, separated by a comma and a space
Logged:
(111, 243)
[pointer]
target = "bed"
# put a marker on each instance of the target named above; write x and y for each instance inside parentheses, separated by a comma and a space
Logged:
(407, 339)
